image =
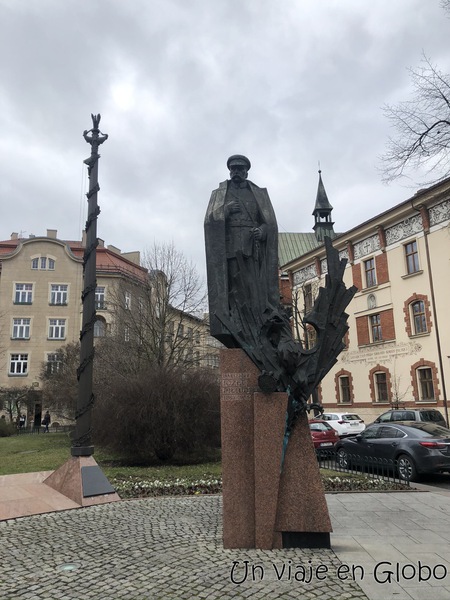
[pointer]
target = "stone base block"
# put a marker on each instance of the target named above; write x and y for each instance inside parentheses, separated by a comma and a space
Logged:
(266, 504)
(82, 480)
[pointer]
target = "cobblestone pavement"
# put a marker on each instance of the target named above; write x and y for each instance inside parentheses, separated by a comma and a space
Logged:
(154, 549)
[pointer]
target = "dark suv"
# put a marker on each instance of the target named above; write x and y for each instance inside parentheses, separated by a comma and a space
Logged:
(429, 415)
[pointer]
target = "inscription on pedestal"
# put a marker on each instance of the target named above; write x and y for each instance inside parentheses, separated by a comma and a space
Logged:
(234, 385)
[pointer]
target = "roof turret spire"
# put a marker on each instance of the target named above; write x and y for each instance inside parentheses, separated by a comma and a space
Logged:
(323, 225)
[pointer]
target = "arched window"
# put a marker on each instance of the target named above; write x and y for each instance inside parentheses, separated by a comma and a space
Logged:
(380, 384)
(418, 317)
(343, 383)
(99, 328)
(424, 379)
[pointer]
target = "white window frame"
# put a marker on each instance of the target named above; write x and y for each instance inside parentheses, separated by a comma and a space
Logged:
(99, 328)
(57, 329)
(21, 328)
(18, 364)
(54, 362)
(100, 293)
(127, 300)
(23, 293)
(59, 293)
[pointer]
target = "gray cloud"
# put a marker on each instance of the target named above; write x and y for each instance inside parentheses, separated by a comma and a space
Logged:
(181, 85)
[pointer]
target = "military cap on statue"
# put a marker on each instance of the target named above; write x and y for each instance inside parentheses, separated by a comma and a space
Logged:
(238, 159)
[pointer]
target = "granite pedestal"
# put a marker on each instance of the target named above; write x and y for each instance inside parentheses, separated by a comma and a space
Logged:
(263, 506)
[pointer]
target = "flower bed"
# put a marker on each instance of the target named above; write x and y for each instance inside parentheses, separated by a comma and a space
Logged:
(134, 487)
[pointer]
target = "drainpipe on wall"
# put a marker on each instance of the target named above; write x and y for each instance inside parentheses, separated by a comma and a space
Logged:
(426, 231)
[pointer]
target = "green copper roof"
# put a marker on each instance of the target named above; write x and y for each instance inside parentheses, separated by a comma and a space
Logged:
(293, 245)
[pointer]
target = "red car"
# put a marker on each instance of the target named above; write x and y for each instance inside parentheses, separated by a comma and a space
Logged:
(324, 437)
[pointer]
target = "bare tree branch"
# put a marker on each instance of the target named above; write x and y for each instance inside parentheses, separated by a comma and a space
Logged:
(422, 125)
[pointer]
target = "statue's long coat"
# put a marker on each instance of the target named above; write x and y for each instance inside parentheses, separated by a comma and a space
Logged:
(216, 256)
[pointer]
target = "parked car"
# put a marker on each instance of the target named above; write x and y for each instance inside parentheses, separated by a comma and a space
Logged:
(430, 415)
(324, 437)
(344, 423)
(411, 448)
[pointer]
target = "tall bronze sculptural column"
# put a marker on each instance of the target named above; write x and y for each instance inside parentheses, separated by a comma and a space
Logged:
(80, 478)
(272, 491)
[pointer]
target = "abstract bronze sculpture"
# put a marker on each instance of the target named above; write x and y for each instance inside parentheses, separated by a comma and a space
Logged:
(243, 290)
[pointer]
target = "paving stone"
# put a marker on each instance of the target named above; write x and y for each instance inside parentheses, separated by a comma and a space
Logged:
(149, 550)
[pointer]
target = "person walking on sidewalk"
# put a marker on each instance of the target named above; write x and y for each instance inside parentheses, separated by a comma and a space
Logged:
(46, 422)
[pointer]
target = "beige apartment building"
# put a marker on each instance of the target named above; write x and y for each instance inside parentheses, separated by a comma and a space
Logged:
(398, 345)
(41, 281)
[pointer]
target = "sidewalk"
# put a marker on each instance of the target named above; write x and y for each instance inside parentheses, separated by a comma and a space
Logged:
(171, 548)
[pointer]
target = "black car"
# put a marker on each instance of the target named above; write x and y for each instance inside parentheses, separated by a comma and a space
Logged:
(411, 448)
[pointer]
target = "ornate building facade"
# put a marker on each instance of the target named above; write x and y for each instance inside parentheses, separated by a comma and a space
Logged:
(398, 345)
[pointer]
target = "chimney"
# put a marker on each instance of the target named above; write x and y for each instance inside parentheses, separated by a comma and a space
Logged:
(14, 236)
(52, 233)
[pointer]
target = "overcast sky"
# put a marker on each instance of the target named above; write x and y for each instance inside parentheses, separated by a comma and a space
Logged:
(183, 84)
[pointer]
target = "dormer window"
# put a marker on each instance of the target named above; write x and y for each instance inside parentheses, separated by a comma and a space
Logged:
(43, 263)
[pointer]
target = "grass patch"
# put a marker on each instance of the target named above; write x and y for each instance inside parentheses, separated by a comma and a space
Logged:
(29, 453)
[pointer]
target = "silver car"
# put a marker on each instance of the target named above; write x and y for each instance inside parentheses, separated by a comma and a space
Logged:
(344, 423)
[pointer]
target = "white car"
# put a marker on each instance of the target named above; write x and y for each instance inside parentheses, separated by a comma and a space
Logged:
(344, 423)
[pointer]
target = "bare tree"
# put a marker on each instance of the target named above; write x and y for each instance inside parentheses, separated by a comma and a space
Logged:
(59, 382)
(17, 400)
(422, 125)
(303, 299)
(159, 320)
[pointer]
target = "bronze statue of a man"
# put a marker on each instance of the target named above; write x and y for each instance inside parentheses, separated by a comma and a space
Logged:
(242, 253)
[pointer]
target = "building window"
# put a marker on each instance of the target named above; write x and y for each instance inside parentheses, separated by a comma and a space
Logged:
(100, 298)
(54, 363)
(344, 385)
(375, 328)
(212, 361)
(43, 262)
(412, 258)
(99, 328)
(57, 329)
(18, 364)
(381, 387)
(126, 333)
(24, 293)
(58, 294)
(419, 318)
(426, 387)
(369, 269)
(308, 297)
(127, 300)
(21, 329)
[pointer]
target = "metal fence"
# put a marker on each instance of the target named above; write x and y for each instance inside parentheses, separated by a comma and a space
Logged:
(370, 466)
(40, 429)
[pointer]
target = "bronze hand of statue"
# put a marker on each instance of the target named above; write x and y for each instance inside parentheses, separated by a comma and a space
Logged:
(234, 207)
(257, 233)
